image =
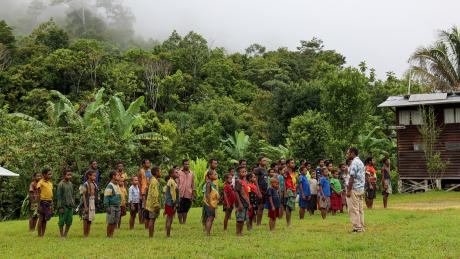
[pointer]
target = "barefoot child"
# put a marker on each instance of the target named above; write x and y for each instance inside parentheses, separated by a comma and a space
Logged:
(336, 197)
(89, 196)
(251, 180)
(133, 200)
(289, 181)
(65, 203)
(312, 205)
(229, 198)
(324, 192)
(124, 194)
(45, 209)
(171, 199)
(112, 202)
(34, 200)
(304, 191)
(153, 200)
(242, 200)
(386, 181)
(274, 201)
(210, 200)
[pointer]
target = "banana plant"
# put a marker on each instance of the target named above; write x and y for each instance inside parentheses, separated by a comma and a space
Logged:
(236, 146)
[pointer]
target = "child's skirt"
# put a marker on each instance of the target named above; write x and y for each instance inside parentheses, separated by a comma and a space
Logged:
(336, 201)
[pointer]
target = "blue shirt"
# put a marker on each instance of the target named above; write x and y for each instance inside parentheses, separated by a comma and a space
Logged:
(275, 197)
(148, 174)
(357, 172)
(305, 185)
(325, 186)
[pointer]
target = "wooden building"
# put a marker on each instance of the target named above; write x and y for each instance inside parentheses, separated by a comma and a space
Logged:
(411, 161)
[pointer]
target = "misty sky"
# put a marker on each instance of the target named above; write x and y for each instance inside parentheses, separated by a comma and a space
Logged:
(384, 32)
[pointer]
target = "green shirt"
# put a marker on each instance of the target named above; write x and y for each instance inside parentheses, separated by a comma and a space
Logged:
(336, 184)
(64, 194)
(112, 196)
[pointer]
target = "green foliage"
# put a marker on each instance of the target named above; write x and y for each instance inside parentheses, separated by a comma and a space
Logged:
(307, 135)
(236, 146)
(199, 166)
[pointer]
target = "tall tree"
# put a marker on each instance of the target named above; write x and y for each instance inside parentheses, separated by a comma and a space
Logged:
(439, 64)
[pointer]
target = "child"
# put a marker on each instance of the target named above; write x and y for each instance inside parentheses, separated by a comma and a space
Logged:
(345, 178)
(112, 202)
(386, 181)
(371, 182)
(65, 203)
(124, 194)
(45, 209)
(210, 200)
(133, 200)
(324, 192)
(282, 186)
(242, 200)
(275, 203)
(304, 191)
(289, 181)
(229, 198)
(251, 180)
(312, 205)
(171, 199)
(89, 194)
(34, 200)
(336, 197)
(153, 200)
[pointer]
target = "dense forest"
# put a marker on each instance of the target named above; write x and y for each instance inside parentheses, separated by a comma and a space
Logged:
(68, 96)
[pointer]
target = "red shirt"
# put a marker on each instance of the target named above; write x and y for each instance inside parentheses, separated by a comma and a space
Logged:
(372, 172)
(246, 187)
(289, 183)
(252, 187)
(229, 194)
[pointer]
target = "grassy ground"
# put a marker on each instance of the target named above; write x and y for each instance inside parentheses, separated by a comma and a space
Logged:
(417, 225)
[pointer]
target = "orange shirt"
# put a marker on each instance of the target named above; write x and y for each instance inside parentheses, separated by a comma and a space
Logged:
(142, 181)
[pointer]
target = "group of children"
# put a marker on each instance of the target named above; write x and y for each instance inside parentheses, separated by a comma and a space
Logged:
(277, 190)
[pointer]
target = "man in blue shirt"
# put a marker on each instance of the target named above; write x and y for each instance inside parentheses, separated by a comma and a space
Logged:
(355, 190)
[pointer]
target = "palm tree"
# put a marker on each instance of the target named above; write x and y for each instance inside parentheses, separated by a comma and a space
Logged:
(237, 145)
(439, 64)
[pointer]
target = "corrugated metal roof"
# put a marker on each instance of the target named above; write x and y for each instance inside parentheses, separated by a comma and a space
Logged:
(420, 99)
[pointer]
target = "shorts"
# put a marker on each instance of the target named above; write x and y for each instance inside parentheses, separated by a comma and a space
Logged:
(303, 203)
(145, 214)
(113, 215)
(252, 212)
(336, 201)
(242, 216)
(273, 214)
(151, 214)
(289, 200)
(207, 212)
(45, 210)
(170, 211)
(312, 205)
(122, 211)
(370, 193)
(65, 218)
(326, 203)
(184, 205)
(136, 209)
(387, 184)
(227, 209)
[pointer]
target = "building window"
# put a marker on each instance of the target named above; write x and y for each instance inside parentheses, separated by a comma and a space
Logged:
(418, 147)
(452, 146)
(452, 115)
(410, 117)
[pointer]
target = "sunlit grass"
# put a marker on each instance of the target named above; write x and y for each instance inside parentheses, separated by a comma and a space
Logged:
(389, 233)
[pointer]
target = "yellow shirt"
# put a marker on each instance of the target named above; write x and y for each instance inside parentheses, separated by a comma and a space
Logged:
(124, 194)
(46, 190)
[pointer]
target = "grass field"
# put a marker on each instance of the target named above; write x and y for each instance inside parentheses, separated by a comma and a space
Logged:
(417, 226)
